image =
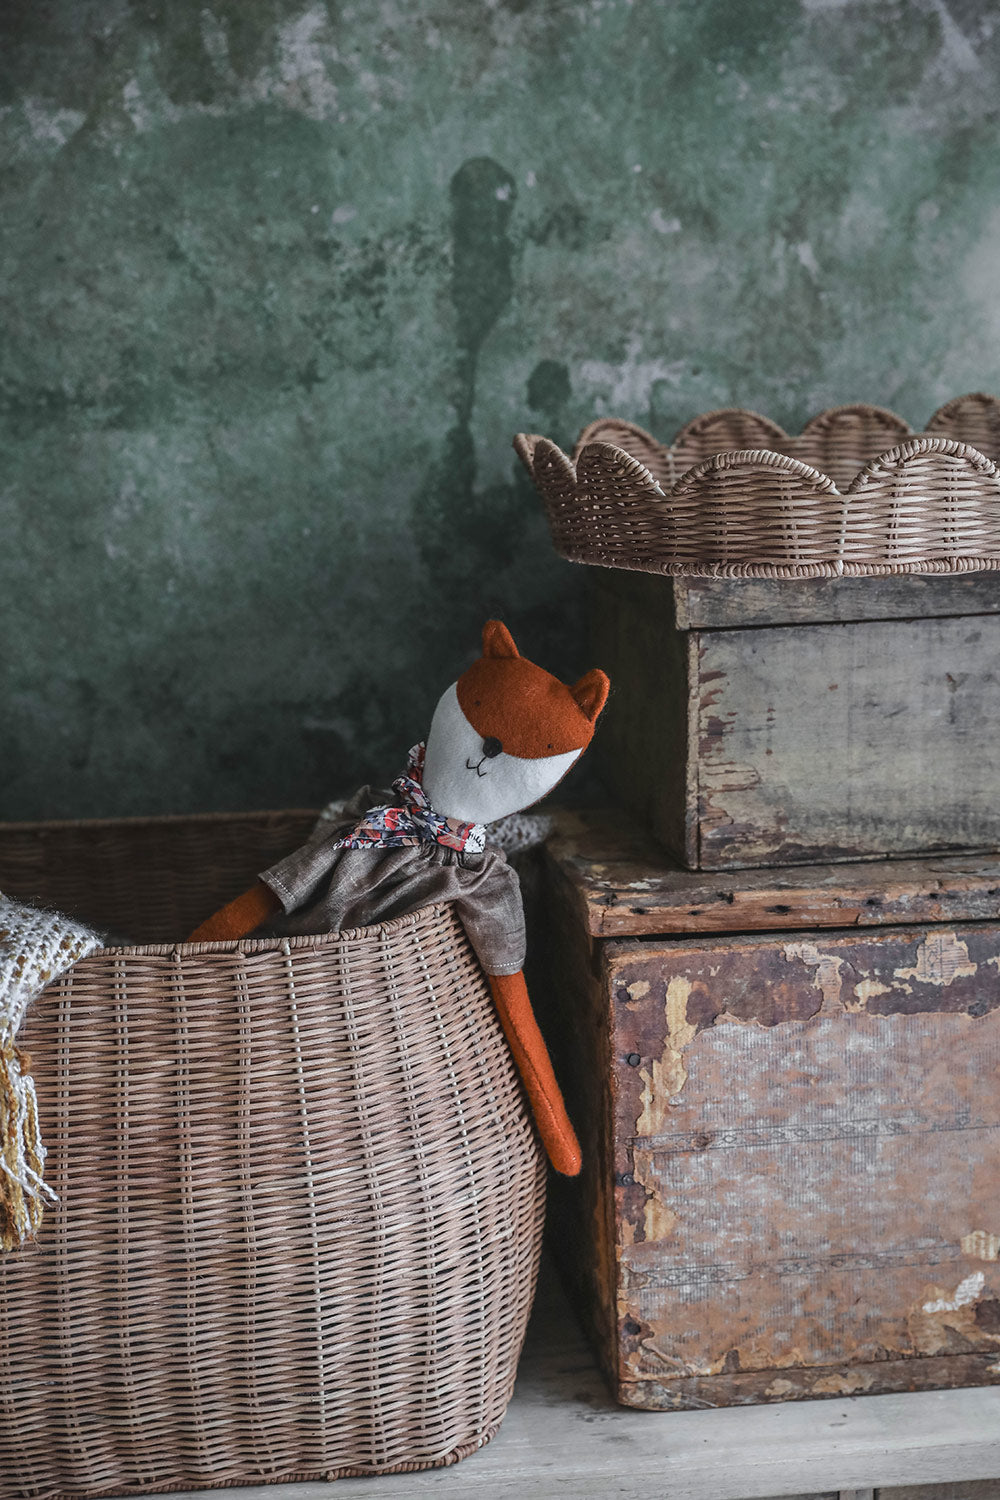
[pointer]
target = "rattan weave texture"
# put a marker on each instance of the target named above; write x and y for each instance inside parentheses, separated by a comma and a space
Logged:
(855, 492)
(301, 1196)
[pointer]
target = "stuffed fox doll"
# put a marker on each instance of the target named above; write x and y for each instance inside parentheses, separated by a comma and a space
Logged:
(500, 739)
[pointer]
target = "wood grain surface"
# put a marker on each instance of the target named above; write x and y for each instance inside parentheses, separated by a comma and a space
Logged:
(624, 884)
(844, 741)
(716, 604)
(788, 728)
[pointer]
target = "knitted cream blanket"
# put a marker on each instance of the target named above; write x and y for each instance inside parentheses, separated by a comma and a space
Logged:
(35, 948)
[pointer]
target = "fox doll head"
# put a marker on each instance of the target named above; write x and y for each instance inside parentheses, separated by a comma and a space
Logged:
(506, 732)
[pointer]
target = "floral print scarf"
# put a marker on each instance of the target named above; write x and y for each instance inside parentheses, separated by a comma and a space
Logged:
(412, 820)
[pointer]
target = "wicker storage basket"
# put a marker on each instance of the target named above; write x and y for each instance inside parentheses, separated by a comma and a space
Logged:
(856, 492)
(300, 1194)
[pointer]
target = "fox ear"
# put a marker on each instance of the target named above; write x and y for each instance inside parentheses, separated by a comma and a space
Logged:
(497, 640)
(591, 692)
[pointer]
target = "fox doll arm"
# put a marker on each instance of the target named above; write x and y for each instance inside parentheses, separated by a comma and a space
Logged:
(238, 917)
(510, 994)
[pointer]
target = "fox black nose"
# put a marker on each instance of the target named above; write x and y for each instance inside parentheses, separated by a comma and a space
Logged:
(491, 747)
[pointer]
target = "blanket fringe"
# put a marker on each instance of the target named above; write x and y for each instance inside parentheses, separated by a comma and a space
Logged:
(36, 948)
(23, 1192)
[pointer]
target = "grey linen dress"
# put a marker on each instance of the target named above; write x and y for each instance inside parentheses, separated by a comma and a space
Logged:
(323, 888)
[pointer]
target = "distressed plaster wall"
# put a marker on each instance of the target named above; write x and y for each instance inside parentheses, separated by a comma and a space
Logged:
(280, 280)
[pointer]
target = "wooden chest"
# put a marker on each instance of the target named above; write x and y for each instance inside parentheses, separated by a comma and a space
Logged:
(786, 1086)
(781, 722)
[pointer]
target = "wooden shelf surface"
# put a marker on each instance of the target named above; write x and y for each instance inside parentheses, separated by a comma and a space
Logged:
(564, 1439)
(627, 886)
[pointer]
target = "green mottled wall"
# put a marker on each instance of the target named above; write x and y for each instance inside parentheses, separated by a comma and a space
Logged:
(281, 279)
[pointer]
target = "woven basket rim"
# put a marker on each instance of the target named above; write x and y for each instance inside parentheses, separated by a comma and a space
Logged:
(247, 945)
(345, 937)
(145, 820)
(292, 1476)
(820, 422)
(737, 496)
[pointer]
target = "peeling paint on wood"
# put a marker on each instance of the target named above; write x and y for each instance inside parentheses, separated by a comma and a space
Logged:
(820, 1168)
(968, 1290)
(802, 1131)
(749, 1388)
(981, 1244)
(940, 960)
(667, 1073)
(827, 978)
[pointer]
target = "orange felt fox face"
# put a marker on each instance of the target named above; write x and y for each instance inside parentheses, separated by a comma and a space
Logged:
(506, 732)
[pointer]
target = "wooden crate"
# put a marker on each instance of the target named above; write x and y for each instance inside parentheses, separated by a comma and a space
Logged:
(791, 1131)
(778, 722)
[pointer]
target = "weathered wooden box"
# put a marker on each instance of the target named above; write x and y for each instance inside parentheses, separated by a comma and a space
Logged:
(786, 1087)
(783, 721)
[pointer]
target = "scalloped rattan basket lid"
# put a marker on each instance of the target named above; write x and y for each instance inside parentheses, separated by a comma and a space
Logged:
(734, 496)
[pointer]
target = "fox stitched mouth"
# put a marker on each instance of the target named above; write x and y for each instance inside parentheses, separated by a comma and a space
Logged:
(477, 766)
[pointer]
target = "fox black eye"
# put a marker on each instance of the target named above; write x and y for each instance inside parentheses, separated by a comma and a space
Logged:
(550, 747)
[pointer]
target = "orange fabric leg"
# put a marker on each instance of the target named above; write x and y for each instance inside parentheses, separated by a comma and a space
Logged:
(239, 917)
(531, 1055)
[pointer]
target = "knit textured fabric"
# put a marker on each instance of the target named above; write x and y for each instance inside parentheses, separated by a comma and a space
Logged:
(412, 820)
(36, 947)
